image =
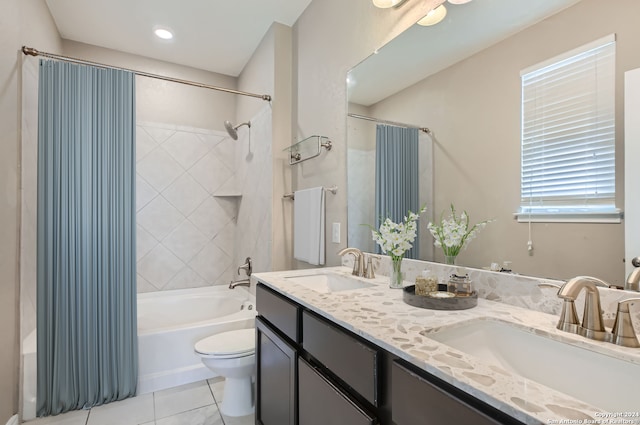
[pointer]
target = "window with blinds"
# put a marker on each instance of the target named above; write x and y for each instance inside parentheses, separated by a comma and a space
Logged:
(568, 136)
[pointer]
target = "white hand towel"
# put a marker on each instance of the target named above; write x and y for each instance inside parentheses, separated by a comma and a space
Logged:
(308, 226)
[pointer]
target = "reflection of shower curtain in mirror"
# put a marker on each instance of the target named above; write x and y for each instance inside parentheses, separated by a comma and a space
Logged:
(86, 277)
(397, 176)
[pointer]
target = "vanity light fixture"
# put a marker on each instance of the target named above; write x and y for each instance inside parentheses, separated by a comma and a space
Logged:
(385, 4)
(163, 33)
(434, 16)
(458, 1)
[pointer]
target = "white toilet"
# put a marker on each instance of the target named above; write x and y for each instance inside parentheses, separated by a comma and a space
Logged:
(232, 355)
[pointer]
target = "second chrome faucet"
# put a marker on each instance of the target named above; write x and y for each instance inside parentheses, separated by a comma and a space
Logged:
(359, 259)
(592, 325)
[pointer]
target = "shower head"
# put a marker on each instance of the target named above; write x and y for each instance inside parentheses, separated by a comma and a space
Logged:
(233, 131)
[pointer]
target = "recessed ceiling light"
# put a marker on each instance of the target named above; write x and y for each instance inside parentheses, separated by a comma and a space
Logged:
(163, 33)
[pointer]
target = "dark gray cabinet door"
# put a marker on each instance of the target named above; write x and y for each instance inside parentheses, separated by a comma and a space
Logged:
(322, 403)
(276, 370)
(417, 401)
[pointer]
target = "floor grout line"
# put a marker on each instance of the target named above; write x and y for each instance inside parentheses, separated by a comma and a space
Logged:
(153, 396)
(215, 400)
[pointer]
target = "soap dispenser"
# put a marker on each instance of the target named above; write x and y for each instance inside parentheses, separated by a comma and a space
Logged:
(460, 283)
(426, 282)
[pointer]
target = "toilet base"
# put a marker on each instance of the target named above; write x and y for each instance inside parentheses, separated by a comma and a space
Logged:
(237, 399)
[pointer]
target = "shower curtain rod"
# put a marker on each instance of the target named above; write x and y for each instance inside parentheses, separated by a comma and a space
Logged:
(34, 52)
(397, 124)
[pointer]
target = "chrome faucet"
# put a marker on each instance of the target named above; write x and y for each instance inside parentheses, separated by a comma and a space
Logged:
(241, 282)
(358, 260)
(369, 271)
(592, 324)
(633, 281)
(247, 267)
(568, 321)
(623, 332)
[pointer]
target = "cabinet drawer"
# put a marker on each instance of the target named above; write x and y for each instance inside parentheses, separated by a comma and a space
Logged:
(321, 403)
(418, 400)
(355, 363)
(279, 311)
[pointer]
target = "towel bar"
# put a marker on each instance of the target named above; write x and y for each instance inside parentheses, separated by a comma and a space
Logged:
(290, 195)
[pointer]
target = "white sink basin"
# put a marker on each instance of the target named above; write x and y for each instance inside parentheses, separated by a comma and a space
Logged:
(328, 282)
(597, 379)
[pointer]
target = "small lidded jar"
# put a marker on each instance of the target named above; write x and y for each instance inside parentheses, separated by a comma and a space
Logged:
(460, 284)
(426, 282)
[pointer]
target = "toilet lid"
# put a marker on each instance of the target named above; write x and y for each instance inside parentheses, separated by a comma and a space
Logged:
(240, 342)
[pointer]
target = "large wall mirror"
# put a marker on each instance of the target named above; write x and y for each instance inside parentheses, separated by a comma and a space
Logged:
(461, 79)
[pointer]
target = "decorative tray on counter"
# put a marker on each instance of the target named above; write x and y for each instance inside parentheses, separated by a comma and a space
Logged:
(450, 302)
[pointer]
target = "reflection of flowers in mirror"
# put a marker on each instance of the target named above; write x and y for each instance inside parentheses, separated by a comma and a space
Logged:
(453, 233)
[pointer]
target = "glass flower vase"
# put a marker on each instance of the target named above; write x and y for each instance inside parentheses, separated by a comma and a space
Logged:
(396, 277)
(450, 260)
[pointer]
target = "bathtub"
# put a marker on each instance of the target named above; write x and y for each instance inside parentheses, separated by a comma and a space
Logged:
(169, 325)
(171, 322)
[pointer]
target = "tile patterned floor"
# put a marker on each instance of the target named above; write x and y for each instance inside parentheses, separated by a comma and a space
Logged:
(191, 404)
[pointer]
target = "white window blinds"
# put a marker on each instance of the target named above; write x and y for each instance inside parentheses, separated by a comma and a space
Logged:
(568, 132)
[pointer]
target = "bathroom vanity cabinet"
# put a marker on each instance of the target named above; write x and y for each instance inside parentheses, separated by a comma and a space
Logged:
(312, 371)
(276, 388)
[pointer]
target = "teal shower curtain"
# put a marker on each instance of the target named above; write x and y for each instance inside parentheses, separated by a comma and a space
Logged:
(86, 280)
(397, 176)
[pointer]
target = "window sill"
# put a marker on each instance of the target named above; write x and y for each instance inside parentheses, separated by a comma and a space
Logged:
(570, 217)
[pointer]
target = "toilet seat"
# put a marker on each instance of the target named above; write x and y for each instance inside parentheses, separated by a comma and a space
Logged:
(228, 345)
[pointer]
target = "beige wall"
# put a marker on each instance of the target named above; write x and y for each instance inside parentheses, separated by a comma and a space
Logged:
(22, 22)
(282, 241)
(474, 109)
(331, 37)
(164, 101)
(269, 72)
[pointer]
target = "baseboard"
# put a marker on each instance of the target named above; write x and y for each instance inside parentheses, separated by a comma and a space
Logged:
(13, 420)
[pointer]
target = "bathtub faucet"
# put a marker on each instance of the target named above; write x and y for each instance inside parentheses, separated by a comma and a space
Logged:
(241, 282)
(247, 267)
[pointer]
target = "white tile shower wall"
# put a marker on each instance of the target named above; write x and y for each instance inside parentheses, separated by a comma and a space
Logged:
(254, 174)
(28, 238)
(185, 233)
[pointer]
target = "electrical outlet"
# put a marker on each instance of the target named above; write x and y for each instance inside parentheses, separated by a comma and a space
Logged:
(335, 233)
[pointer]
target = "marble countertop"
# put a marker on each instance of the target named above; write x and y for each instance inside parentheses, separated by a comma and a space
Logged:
(379, 315)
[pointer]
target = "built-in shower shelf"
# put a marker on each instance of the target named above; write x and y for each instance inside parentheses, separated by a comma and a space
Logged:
(307, 148)
(228, 195)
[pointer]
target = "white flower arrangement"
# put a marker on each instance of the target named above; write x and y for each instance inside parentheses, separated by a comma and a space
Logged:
(453, 233)
(397, 238)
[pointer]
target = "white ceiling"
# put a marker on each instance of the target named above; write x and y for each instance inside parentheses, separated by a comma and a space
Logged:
(423, 51)
(214, 35)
